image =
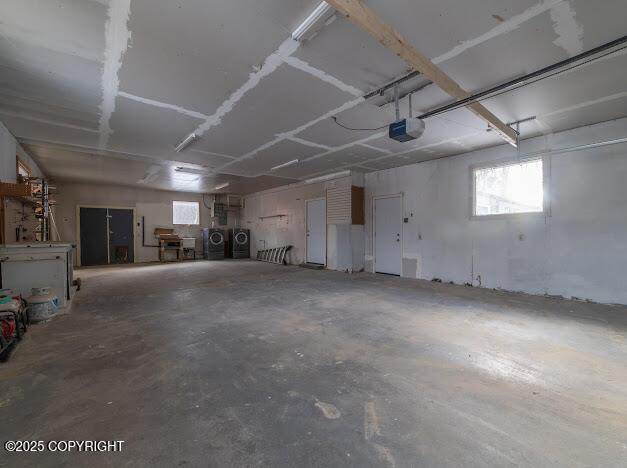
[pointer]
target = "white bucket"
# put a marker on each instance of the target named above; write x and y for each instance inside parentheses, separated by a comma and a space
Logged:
(42, 305)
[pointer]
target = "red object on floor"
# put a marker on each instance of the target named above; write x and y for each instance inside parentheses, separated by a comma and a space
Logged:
(8, 328)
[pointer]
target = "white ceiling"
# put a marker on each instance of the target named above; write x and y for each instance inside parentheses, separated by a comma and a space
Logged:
(102, 90)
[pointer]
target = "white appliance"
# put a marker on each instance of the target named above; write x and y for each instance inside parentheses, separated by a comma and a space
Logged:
(38, 265)
(189, 242)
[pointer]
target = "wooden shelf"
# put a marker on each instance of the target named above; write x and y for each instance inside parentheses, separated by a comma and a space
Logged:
(8, 189)
(26, 200)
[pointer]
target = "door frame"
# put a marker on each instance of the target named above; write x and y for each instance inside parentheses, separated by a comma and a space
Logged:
(78, 229)
(326, 253)
(400, 196)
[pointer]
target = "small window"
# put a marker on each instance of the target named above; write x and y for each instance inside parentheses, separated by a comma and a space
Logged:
(184, 212)
(509, 189)
(23, 170)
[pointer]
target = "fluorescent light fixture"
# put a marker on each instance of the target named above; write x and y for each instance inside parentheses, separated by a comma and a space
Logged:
(221, 186)
(314, 22)
(324, 178)
(284, 165)
(191, 170)
(186, 142)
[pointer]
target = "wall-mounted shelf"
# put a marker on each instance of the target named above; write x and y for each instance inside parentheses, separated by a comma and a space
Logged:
(273, 216)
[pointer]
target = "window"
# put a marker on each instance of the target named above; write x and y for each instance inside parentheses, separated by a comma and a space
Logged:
(509, 188)
(184, 212)
(23, 170)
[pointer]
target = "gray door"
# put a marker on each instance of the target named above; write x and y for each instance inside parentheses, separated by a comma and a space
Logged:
(106, 236)
(94, 236)
(120, 236)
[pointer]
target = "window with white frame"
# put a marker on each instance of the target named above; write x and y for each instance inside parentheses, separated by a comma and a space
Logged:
(511, 188)
(184, 212)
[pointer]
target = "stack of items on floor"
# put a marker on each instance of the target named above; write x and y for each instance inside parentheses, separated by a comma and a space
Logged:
(16, 314)
(14, 321)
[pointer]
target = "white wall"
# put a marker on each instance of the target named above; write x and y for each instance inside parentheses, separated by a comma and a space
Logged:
(8, 151)
(269, 232)
(17, 215)
(154, 205)
(579, 249)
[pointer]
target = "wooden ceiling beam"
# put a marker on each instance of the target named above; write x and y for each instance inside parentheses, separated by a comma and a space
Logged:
(366, 19)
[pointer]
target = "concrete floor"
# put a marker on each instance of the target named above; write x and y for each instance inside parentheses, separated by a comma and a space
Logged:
(242, 363)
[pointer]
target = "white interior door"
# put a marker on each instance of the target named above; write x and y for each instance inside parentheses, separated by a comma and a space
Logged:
(387, 235)
(317, 231)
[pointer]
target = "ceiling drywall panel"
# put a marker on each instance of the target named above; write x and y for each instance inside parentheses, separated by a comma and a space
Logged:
(68, 27)
(284, 151)
(352, 56)
(50, 52)
(569, 92)
(63, 164)
(47, 132)
(209, 64)
(283, 101)
(201, 50)
(203, 158)
(596, 111)
(352, 155)
(63, 81)
(451, 21)
(601, 22)
(34, 109)
(144, 129)
(328, 162)
(364, 115)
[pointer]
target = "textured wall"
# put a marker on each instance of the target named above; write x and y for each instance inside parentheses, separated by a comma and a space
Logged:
(578, 249)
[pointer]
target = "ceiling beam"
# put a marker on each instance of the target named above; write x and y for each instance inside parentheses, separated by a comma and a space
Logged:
(368, 20)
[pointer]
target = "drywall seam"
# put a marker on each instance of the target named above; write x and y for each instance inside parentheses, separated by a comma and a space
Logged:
(163, 105)
(506, 26)
(307, 143)
(328, 115)
(56, 123)
(32, 37)
(400, 153)
(430, 145)
(335, 149)
(272, 62)
(322, 75)
(283, 136)
(458, 139)
(117, 37)
(581, 105)
(150, 175)
(211, 153)
(381, 150)
(84, 149)
(569, 32)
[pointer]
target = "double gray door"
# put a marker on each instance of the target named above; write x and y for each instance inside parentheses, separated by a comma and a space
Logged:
(106, 236)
